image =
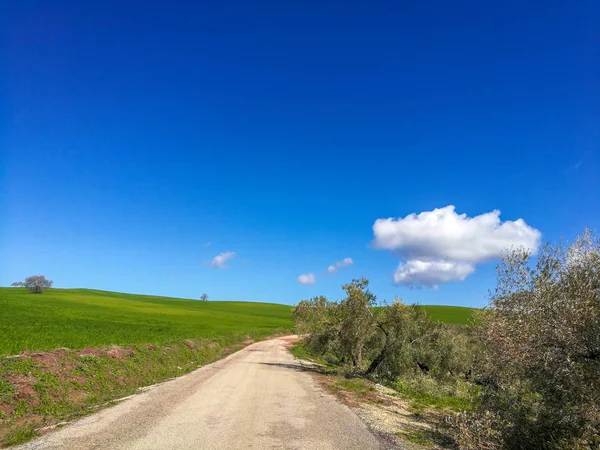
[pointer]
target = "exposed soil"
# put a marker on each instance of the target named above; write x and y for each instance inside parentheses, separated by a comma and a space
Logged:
(23, 389)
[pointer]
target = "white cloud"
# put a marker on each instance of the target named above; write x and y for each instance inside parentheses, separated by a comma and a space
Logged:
(207, 244)
(307, 278)
(219, 261)
(441, 245)
(431, 273)
(333, 268)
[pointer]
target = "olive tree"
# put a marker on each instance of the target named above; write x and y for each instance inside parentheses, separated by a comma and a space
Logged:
(341, 328)
(412, 342)
(357, 324)
(319, 319)
(541, 363)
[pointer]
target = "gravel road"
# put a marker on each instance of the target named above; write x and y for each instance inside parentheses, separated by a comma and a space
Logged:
(257, 398)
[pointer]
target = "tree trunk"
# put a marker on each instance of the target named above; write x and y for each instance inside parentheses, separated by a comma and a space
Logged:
(356, 358)
(375, 363)
(379, 359)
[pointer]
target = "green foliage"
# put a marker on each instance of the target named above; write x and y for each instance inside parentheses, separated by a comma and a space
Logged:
(541, 356)
(385, 342)
(342, 329)
(78, 318)
(411, 343)
(356, 320)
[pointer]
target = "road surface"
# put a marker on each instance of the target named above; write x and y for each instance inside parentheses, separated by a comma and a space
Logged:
(257, 398)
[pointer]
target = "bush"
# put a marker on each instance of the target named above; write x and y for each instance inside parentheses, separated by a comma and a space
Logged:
(541, 360)
(383, 342)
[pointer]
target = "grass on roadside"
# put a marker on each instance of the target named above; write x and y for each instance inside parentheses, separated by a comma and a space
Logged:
(421, 400)
(426, 393)
(41, 389)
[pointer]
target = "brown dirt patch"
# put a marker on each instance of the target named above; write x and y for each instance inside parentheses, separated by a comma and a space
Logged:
(91, 351)
(51, 360)
(77, 396)
(249, 341)
(79, 379)
(7, 410)
(119, 353)
(289, 341)
(24, 389)
(189, 343)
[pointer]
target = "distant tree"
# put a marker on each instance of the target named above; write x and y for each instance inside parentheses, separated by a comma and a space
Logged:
(36, 283)
(204, 297)
(18, 284)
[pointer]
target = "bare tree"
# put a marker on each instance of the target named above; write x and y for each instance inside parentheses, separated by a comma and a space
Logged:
(36, 283)
(204, 297)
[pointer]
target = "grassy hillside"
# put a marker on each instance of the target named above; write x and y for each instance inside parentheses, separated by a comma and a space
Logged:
(79, 318)
(450, 314)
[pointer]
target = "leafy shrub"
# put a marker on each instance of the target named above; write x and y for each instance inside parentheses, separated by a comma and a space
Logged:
(541, 360)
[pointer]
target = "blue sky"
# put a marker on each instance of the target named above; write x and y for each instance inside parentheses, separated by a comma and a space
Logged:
(133, 135)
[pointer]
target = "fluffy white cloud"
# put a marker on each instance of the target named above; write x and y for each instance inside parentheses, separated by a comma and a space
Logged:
(219, 261)
(307, 278)
(441, 245)
(431, 273)
(333, 268)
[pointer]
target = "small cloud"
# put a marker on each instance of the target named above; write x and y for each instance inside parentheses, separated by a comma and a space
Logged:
(431, 273)
(307, 278)
(333, 268)
(207, 244)
(219, 261)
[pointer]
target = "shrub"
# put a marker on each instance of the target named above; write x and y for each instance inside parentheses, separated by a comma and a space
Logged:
(541, 361)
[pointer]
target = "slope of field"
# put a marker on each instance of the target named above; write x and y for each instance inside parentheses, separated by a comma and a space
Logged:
(79, 318)
(450, 314)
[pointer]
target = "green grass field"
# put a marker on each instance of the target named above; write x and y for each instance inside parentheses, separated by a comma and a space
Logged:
(79, 318)
(450, 314)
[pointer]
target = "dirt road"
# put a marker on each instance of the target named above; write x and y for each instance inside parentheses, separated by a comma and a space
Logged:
(257, 398)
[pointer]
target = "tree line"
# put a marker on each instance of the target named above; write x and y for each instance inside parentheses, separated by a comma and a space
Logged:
(533, 354)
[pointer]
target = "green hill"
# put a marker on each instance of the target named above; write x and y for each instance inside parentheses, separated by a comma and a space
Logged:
(450, 314)
(79, 318)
